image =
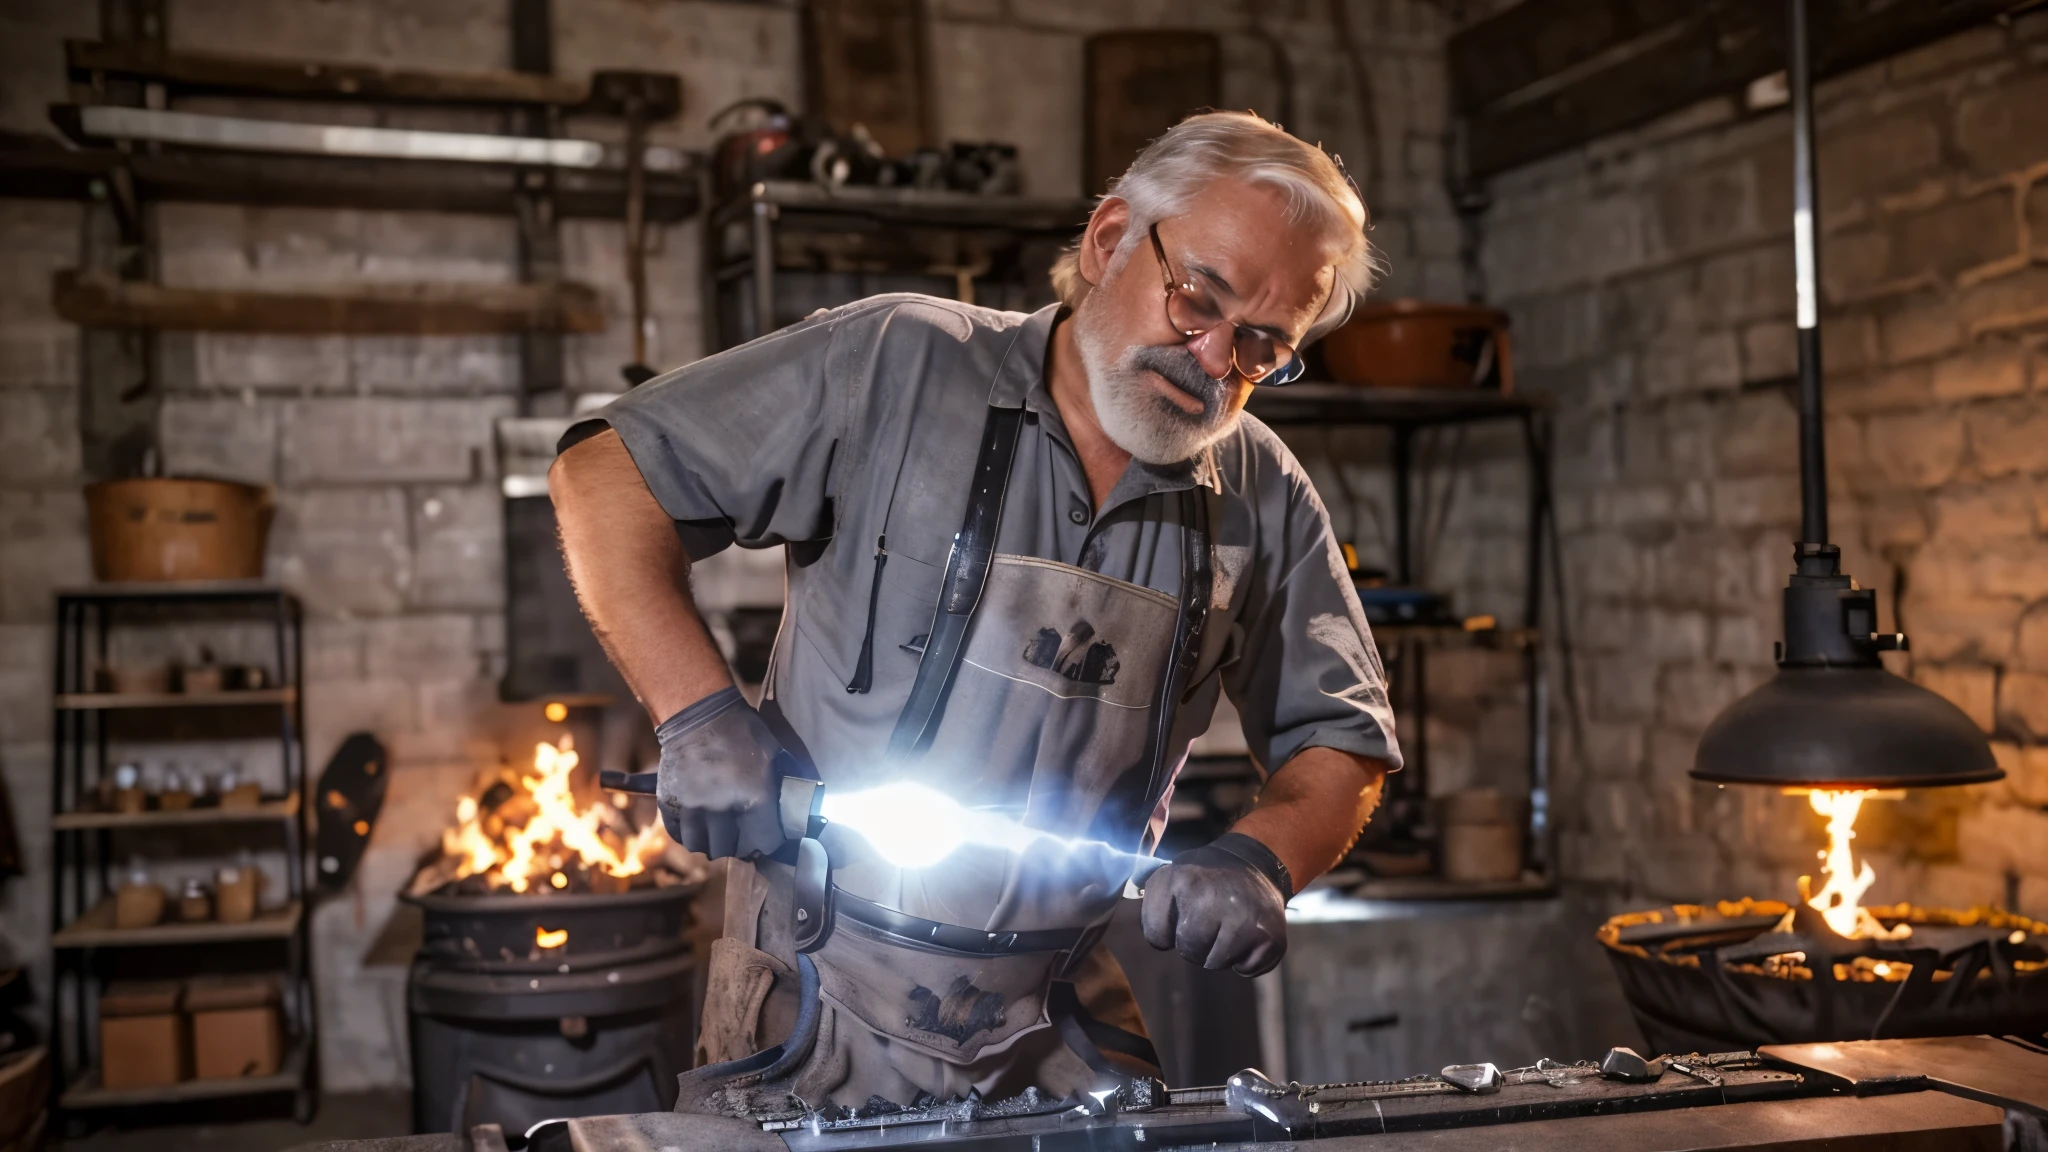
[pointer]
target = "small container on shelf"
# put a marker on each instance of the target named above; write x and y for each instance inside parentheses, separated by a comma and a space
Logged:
(139, 902)
(236, 793)
(176, 795)
(195, 903)
(247, 677)
(127, 794)
(202, 678)
(235, 1030)
(135, 679)
(235, 891)
(142, 1036)
(1482, 831)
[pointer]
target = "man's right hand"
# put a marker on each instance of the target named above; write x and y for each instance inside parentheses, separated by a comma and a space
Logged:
(720, 786)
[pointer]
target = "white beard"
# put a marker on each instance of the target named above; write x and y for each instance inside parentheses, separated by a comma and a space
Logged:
(1128, 406)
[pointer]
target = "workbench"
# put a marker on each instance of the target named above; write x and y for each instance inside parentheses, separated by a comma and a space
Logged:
(1972, 1092)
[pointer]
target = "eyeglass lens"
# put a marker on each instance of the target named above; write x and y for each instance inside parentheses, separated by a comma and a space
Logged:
(1256, 354)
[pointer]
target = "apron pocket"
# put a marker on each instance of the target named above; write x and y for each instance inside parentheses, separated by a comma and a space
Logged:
(948, 1005)
(736, 987)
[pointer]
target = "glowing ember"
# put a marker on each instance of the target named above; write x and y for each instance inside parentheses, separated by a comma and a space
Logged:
(546, 939)
(526, 827)
(1840, 900)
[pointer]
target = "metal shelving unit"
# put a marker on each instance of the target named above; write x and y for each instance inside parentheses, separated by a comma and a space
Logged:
(1406, 413)
(785, 248)
(86, 945)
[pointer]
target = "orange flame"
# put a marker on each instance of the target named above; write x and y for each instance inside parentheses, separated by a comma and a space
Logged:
(1840, 900)
(545, 939)
(511, 852)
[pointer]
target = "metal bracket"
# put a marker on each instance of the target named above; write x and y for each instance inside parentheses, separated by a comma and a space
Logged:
(1249, 1092)
(813, 912)
(1478, 1079)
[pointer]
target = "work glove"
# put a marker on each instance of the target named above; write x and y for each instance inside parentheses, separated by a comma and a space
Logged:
(1223, 905)
(720, 778)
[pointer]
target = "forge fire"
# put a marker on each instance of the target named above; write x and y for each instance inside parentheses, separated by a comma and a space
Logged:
(524, 831)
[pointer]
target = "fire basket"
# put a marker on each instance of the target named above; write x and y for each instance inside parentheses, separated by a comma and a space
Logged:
(1750, 972)
(554, 975)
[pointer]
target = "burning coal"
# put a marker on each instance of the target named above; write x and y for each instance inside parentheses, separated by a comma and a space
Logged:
(524, 831)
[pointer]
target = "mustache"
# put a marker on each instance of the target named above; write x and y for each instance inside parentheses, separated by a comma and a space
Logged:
(1183, 371)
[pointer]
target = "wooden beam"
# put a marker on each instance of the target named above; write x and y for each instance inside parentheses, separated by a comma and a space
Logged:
(36, 167)
(357, 309)
(1715, 48)
(218, 72)
(1541, 38)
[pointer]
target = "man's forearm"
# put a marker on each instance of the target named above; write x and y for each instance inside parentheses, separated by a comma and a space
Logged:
(632, 577)
(1313, 809)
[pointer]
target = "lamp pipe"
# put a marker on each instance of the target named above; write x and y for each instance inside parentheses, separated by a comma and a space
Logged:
(1813, 475)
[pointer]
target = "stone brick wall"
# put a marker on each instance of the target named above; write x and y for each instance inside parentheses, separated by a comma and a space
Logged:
(1650, 280)
(381, 449)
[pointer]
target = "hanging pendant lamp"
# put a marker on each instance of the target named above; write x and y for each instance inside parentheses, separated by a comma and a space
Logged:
(1832, 716)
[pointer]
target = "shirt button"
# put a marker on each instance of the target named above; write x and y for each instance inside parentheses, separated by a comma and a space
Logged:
(1077, 514)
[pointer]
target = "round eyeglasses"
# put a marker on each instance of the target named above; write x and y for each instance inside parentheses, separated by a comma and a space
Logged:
(1254, 353)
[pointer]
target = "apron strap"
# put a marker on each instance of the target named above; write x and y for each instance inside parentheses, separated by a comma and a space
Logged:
(967, 568)
(1127, 805)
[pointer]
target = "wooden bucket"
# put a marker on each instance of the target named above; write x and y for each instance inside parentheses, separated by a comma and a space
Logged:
(177, 529)
(1421, 344)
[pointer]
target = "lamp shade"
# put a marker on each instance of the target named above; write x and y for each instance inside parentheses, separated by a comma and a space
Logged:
(1834, 727)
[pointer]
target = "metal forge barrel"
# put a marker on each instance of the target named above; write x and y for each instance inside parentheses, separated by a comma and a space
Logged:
(1721, 978)
(525, 1008)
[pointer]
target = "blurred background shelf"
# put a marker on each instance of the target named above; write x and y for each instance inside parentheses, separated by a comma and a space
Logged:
(85, 1092)
(95, 929)
(238, 698)
(283, 807)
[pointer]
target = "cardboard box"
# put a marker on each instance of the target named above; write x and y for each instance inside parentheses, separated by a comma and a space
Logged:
(235, 1030)
(142, 1037)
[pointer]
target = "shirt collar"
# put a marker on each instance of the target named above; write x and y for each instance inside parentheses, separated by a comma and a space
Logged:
(1020, 383)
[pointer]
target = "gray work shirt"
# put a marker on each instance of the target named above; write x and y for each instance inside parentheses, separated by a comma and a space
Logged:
(851, 438)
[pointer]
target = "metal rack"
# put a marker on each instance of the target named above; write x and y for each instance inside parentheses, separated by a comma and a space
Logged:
(786, 248)
(1405, 413)
(86, 944)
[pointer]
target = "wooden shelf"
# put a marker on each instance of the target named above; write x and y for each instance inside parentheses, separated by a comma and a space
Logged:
(271, 810)
(39, 167)
(96, 929)
(356, 309)
(1526, 887)
(205, 71)
(85, 1092)
(1313, 403)
(163, 591)
(103, 701)
(1442, 635)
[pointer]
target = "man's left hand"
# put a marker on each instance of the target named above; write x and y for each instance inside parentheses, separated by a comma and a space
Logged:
(1221, 906)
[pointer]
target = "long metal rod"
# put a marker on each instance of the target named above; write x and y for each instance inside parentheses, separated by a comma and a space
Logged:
(1813, 468)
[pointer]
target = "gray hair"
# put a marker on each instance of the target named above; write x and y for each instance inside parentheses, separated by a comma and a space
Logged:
(1209, 146)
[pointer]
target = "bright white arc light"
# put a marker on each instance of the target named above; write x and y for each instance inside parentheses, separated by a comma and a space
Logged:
(914, 826)
(910, 825)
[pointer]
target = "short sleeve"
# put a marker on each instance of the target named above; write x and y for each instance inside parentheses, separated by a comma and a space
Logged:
(1309, 674)
(740, 447)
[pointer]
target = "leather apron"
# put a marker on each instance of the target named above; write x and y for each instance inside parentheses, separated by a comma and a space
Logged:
(1045, 694)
